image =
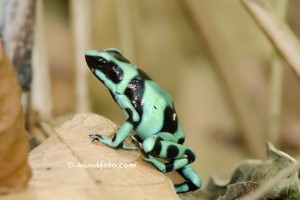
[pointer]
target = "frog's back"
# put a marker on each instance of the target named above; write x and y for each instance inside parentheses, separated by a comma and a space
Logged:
(155, 107)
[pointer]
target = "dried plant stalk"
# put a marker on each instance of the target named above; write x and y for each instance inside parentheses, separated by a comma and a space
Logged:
(125, 22)
(41, 99)
(249, 122)
(17, 19)
(276, 79)
(278, 31)
(80, 19)
(14, 169)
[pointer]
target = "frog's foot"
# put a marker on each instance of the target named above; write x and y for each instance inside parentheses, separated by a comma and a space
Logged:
(95, 137)
(110, 142)
(100, 138)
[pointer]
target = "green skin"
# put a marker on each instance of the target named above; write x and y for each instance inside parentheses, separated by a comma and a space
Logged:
(150, 112)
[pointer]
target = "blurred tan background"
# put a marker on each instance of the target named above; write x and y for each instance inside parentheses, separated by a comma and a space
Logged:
(209, 55)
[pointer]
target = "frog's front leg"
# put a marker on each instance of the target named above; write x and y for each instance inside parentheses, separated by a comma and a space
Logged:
(125, 129)
(178, 156)
(117, 141)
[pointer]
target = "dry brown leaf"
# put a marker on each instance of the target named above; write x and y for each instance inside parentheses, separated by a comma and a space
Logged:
(71, 145)
(14, 169)
(239, 190)
(252, 175)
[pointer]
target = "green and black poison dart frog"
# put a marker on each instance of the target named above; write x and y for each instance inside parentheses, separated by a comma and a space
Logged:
(150, 113)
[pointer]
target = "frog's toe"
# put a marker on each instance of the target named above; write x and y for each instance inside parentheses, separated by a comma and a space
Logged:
(97, 137)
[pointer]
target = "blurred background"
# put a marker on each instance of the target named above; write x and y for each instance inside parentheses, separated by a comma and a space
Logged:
(231, 90)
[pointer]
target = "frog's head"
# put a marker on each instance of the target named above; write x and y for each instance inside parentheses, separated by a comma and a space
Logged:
(106, 64)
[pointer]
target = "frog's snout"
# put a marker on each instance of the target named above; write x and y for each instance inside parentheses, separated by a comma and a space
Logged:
(91, 61)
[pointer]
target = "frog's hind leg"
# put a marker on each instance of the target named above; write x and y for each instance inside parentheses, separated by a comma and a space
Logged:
(178, 156)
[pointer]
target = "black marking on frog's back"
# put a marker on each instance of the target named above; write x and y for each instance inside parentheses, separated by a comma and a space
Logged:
(170, 124)
(135, 91)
